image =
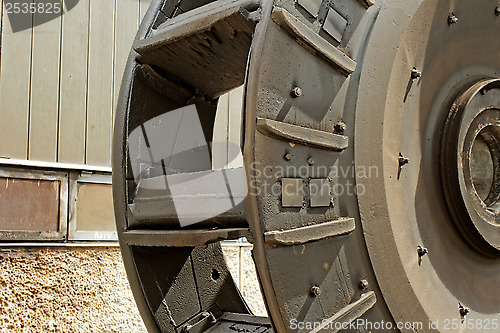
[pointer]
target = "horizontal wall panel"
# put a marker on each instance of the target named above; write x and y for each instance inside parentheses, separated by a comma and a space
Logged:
(95, 208)
(91, 209)
(29, 204)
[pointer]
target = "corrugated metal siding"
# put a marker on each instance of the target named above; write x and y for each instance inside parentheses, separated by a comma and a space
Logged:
(59, 82)
(227, 129)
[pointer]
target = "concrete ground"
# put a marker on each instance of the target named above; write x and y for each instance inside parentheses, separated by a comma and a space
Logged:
(82, 289)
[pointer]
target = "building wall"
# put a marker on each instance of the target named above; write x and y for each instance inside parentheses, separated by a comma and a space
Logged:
(59, 82)
(84, 289)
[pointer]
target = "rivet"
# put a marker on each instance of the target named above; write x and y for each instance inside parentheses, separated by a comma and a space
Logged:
(497, 11)
(287, 156)
(452, 19)
(415, 74)
(422, 251)
(186, 328)
(296, 92)
(364, 284)
(403, 160)
(464, 311)
(340, 127)
(310, 161)
(315, 291)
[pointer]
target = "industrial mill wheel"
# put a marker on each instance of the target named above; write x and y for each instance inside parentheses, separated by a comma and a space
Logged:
(367, 174)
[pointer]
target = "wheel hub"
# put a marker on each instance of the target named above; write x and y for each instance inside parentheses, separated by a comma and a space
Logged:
(471, 165)
(435, 214)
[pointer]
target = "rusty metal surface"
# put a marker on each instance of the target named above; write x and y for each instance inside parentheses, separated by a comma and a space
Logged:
(33, 204)
(215, 41)
(29, 204)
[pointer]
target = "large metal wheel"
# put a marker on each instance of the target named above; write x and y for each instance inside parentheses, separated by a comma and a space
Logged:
(370, 181)
(432, 95)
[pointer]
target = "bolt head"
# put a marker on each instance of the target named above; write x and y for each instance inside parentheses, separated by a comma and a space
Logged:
(296, 92)
(403, 160)
(422, 251)
(364, 284)
(452, 19)
(340, 127)
(310, 161)
(287, 156)
(315, 291)
(497, 11)
(415, 74)
(186, 328)
(464, 311)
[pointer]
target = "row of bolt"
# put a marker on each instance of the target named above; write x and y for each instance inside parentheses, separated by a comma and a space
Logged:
(340, 127)
(316, 291)
(402, 161)
(422, 251)
(288, 157)
(363, 284)
(452, 18)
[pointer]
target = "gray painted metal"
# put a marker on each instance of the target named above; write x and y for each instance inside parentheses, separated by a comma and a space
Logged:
(302, 134)
(348, 314)
(313, 40)
(322, 109)
(310, 233)
(230, 322)
(396, 113)
(181, 238)
(292, 192)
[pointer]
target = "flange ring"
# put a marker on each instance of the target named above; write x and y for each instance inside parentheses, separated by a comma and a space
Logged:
(470, 165)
